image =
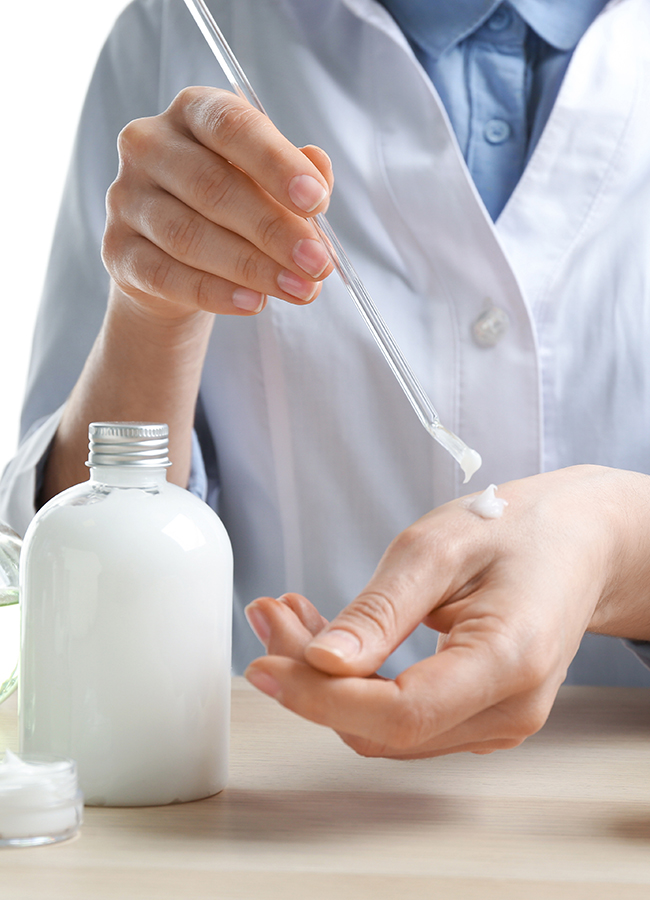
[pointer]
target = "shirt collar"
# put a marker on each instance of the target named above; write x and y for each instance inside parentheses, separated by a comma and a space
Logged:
(438, 26)
(560, 24)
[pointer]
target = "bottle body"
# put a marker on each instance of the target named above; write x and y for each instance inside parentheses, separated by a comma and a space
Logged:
(126, 629)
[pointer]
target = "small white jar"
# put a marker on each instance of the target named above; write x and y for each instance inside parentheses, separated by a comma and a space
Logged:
(126, 596)
(40, 801)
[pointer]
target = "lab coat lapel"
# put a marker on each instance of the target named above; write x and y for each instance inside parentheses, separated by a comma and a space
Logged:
(457, 263)
(563, 181)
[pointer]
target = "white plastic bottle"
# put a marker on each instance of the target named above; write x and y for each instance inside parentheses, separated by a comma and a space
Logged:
(126, 596)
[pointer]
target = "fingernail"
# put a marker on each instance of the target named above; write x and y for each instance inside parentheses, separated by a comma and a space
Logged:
(306, 193)
(259, 623)
(311, 256)
(263, 682)
(252, 301)
(342, 644)
(296, 286)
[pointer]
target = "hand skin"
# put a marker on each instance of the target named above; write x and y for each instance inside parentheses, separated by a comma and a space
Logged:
(511, 597)
(209, 214)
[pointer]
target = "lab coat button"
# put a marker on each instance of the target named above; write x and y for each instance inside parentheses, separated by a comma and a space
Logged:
(490, 327)
(496, 131)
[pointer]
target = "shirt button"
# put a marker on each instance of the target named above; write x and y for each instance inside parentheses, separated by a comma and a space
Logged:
(500, 19)
(490, 327)
(496, 131)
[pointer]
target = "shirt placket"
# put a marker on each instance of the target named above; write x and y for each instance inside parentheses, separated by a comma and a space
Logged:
(497, 79)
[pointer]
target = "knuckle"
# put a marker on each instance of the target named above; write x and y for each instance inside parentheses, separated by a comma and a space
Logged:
(156, 275)
(227, 118)
(270, 228)
(217, 112)
(417, 542)
(280, 155)
(374, 609)
(114, 249)
(136, 139)
(189, 106)
(116, 197)
(248, 268)
(110, 248)
(213, 187)
(117, 256)
(411, 536)
(204, 292)
(187, 97)
(183, 236)
(195, 100)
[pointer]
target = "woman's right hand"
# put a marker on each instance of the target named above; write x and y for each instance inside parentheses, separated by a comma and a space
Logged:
(210, 210)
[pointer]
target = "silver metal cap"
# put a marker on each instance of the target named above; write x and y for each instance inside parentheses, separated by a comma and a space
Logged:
(128, 444)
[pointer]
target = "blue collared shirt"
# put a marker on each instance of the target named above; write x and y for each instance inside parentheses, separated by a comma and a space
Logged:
(498, 67)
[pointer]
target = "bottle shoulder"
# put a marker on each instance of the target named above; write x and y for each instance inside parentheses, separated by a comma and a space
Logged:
(92, 509)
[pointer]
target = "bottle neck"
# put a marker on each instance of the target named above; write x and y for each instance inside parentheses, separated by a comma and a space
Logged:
(129, 476)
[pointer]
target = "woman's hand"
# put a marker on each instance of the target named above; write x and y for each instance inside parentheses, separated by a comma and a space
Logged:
(511, 597)
(210, 210)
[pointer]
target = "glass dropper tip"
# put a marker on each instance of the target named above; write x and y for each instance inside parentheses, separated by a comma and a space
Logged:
(469, 460)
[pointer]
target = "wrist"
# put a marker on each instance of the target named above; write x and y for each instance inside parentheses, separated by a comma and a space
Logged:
(623, 609)
(155, 323)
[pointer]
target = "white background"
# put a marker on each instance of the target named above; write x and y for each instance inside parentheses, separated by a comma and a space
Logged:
(49, 51)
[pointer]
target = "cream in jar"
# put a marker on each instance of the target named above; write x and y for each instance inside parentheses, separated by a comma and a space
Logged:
(40, 800)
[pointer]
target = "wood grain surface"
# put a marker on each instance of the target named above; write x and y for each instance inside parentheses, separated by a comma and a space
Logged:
(566, 816)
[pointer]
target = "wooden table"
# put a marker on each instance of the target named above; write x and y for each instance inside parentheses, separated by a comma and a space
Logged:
(567, 815)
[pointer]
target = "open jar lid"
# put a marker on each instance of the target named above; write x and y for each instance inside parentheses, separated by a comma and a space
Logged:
(40, 800)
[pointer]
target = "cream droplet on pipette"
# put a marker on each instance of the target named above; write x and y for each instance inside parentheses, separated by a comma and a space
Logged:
(469, 460)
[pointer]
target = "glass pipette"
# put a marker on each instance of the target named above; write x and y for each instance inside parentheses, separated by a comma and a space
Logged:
(468, 459)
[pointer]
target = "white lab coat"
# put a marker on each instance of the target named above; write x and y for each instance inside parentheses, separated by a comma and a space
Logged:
(321, 461)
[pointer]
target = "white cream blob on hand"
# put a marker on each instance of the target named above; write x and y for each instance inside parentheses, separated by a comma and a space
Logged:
(488, 505)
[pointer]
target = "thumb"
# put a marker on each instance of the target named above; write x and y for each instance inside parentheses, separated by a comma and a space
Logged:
(424, 564)
(361, 637)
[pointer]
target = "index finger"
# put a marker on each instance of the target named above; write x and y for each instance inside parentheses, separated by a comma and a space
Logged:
(425, 701)
(248, 139)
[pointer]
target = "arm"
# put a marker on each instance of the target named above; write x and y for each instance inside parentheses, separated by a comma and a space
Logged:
(511, 598)
(139, 369)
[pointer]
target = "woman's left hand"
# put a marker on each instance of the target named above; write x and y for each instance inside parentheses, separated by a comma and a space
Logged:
(511, 598)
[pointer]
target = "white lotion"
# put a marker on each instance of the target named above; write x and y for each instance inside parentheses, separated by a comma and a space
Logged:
(126, 596)
(469, 460)
(488, 505)
(40, 801)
